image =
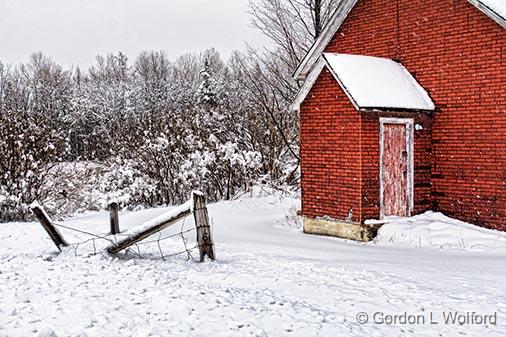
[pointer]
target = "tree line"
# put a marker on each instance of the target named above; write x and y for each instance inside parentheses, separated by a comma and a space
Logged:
(148, 131)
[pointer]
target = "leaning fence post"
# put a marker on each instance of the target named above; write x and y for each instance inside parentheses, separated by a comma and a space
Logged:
(45, 221)
(204, 237)
(114, 217)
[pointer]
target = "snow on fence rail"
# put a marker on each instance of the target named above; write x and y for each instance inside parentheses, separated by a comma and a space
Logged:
(196, 205)
(139, 233)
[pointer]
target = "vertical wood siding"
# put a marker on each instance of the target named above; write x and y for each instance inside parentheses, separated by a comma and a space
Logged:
(395, 170)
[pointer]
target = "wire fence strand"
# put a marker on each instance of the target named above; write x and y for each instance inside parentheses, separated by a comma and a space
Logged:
(112, 239)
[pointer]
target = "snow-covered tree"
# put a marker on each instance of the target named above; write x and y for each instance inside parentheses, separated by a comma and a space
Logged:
(206, 94)
(28, 148)
(147, 133)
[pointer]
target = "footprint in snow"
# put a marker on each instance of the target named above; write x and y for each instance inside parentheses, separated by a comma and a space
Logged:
(47, 333)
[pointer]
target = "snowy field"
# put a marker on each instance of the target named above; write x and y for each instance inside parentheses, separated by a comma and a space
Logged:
(270, 279)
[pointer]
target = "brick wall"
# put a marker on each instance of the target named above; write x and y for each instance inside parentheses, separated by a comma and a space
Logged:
(341, 156)
(459, 55)
(330, 152)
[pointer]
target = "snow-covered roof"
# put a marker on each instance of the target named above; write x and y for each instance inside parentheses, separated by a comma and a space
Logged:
(495, 9)
(498, 6)
(371, 83)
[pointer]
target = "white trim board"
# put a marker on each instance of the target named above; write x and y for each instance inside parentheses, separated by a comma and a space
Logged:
(410, 147)
(336, 20)
(308, 85)
(497, 17)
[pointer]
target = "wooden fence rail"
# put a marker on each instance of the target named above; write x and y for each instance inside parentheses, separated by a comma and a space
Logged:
(152, 227)
(197, 205)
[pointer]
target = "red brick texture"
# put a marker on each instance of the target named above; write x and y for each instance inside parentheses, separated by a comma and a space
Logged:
(459, 56)
(330, 151)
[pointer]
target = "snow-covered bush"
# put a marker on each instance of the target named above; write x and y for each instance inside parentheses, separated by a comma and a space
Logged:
(201, 148)
(147, 133)
(28, 150)
(82, 186)
(221, 169)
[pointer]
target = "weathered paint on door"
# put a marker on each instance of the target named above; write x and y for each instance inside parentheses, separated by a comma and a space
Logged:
(395, 170)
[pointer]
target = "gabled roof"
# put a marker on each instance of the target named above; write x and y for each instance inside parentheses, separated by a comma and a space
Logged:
(338, 16)
(495, 9)
(371, 83)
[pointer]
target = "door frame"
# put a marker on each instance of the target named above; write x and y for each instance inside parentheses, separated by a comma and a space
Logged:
(410, 136)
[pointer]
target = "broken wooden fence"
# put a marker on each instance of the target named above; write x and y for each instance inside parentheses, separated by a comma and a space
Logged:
(48, 226)
(196, 205)
(114, 217)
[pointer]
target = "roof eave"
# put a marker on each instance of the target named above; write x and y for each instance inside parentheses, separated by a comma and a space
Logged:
(408, 110)
(336, 20)
(308, 84)
(489, 12)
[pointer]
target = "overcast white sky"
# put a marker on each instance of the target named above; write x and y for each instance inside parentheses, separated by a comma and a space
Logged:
(72, 32)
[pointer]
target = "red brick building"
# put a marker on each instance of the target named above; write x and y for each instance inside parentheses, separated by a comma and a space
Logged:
(403, 110)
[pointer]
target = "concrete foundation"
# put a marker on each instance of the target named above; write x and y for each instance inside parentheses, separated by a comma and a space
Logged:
(341, 229)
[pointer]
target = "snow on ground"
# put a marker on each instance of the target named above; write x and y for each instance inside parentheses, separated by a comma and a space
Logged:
(435, 230)
(269, 280)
